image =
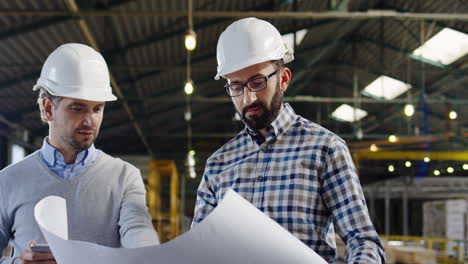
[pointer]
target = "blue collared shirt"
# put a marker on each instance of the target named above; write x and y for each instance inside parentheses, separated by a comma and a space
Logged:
(56, 162)
(302, 176)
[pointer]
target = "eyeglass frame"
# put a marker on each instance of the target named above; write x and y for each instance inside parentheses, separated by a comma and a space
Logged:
(226, 86)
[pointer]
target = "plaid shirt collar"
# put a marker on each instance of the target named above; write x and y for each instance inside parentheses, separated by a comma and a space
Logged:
(282, 123)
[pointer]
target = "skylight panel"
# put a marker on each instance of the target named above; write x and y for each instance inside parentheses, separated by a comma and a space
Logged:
(445, 47)
(386, 87)
(289, 38)
(347, 113)
(300, 34)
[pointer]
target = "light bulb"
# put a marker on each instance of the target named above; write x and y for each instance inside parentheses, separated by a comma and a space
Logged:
(190, 40)
(188, 88)
(392, 138)
(453, 115)
(409, 110)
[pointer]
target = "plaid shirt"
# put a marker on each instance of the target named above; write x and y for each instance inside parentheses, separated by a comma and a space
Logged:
(302, 176)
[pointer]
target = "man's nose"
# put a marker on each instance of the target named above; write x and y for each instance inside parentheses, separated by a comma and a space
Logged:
(249, 96)
(88, 119)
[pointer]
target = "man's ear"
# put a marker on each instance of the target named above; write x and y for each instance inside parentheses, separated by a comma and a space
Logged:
(286, 76)
(47, 108)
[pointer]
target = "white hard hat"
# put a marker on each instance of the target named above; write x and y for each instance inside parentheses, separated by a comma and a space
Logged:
(76, 71)
(249, 41)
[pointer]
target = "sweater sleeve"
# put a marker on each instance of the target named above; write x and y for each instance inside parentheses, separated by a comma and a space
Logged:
(6, 260)
(5, 229)
(135, 225)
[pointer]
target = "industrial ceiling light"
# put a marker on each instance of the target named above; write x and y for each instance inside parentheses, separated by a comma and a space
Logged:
(359, 133)
(408, 164)
(409, 110)
(465, 166)
(191, 158)
(192, 173)
(188, 88)
(391, 168)
(444, 47)
(450, 170)
(188, 115)
(427, 159)
(191, 164)
(453, 115)
(289, 38)
(386, 88)
(190, 40)
(436, 172)
(347, 113)
(392, 138)
(373, 148)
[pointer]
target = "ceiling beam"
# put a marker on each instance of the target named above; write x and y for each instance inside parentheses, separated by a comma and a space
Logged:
(437, 22)
(161, 68)
(345, 29)
(405, 52)
(134, 88)
(308, 99)
(85, 29)
(36, 25)
(458, 74)
(199, 59)
(160, 36)
(370, 14)
(14, 32)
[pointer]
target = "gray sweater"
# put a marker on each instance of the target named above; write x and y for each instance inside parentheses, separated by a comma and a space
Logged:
(106, 204)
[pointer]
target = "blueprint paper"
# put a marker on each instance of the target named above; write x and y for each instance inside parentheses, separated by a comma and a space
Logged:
(235, 232)
(51, 214)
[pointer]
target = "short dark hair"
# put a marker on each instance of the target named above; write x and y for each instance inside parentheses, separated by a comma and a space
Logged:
(279, 64)
(43, 93)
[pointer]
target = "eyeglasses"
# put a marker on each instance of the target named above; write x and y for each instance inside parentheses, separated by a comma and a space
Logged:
(254, 85)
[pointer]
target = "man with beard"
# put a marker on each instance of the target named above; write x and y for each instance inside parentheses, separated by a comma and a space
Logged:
(105, 196)
(295, 171)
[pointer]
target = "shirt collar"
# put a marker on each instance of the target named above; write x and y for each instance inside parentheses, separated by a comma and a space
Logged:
(52, 156)
(281, 124)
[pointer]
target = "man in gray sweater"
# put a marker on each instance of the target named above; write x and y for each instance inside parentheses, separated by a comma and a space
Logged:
(105, 195)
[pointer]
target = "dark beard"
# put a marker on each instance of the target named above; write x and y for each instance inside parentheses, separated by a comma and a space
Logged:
(269, 114)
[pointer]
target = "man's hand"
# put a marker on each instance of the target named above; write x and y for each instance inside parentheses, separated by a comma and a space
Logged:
(29, 257)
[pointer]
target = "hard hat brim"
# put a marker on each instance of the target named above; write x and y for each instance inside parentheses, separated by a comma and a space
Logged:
(240, 66)
(78, 94)
(287, 57)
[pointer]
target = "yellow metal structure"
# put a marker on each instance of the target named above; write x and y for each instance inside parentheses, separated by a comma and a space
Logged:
(407, 155)
(364, 145)
(167, 223)
(440, 245)
(411, 155)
